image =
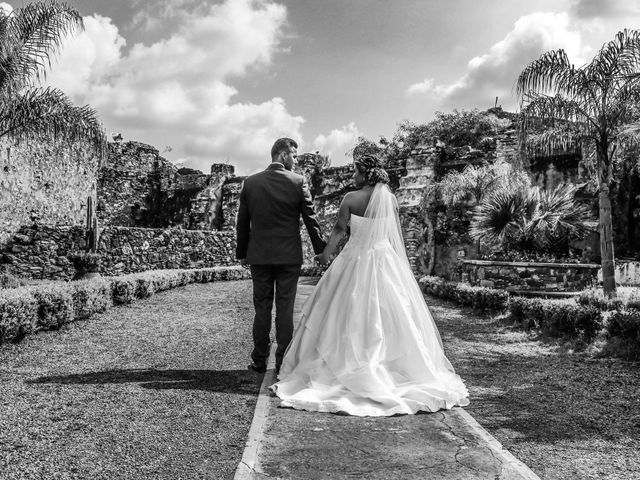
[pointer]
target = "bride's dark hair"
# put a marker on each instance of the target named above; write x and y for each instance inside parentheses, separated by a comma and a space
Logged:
(371, 168)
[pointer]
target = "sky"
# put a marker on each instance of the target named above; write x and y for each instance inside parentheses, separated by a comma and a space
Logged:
(217, 81)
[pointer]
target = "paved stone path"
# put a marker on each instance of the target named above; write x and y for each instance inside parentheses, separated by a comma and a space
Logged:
(290, 444)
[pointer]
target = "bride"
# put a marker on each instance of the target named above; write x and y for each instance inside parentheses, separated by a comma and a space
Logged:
(366, 344)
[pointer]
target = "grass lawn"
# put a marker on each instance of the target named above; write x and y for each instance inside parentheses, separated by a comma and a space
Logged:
(158, 389)
(566, 415)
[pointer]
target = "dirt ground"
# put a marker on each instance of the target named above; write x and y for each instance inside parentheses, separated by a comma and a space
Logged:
(566, 415)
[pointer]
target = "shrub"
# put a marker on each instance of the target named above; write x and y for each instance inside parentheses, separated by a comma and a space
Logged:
(624, 331)
(145, 286)
(18, 313)
(123, 289)
(25, 310)
(10, 281)
(626, 297)
(86, 262)
(90, 296)
(198, 276)
(557, 318)
(480, 298)
(55, 305)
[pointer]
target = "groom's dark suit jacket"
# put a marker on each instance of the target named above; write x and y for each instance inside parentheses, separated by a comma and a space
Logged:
(268, 224)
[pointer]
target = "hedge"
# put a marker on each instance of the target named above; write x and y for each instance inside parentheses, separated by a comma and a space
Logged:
(557, 318)
(554, 317)
(90, 296)
(626, 297)
(55, 305)
(481, 298)
(18, 313)
(623, 329)
(24, 310)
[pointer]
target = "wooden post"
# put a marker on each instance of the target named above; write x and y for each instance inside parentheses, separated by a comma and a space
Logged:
(92, 227)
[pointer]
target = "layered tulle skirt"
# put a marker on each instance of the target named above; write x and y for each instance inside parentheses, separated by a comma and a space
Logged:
(366, 343)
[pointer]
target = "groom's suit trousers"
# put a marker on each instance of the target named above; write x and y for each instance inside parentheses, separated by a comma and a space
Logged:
(269, 281)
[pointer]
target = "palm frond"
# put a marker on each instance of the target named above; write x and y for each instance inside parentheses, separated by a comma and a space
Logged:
(544, 74)
(32, 35)
(477, 180)
(617, 59)
(525, 217)
(501, 214)
(49, 112)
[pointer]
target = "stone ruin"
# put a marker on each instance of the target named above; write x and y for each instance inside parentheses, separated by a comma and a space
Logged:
(137, 188)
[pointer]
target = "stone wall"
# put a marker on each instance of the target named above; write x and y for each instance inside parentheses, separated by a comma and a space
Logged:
(529, 276)
(415, 194)
(139, 249)
(627, 273)
(137, 187)
(207, 207)
(44, 182)
(43, 252)
(448, 259)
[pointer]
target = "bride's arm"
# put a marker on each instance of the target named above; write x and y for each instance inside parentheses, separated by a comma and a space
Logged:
(338, 231)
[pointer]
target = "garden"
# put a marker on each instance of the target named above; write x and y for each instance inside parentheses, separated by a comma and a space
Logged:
(538, 236)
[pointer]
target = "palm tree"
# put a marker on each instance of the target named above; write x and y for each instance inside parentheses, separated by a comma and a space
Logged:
(477, 180)
(524, 218)
(592, 105)
(29, 37)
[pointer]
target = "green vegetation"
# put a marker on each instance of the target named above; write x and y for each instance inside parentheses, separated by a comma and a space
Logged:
(582, 320)
(25, 310)
(29, 37)
(523, 218)
(594, 106)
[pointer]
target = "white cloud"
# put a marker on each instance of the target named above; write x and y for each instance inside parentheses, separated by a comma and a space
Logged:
(87, 58)
(338, 143)
(494, 73)
(6, 8)
(179, 90)
(421, 87)
(590, 9)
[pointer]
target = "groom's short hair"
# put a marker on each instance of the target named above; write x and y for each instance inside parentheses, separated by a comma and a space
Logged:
(282, 144)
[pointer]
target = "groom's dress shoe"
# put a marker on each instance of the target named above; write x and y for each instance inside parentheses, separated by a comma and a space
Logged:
(256, 368)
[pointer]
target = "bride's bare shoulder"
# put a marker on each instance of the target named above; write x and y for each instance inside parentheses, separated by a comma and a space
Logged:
(352, 198)
(356, 201)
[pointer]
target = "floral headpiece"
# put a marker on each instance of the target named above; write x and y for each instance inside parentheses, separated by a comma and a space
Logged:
(372, 169)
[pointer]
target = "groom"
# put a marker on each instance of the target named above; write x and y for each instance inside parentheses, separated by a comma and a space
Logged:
(268, 239)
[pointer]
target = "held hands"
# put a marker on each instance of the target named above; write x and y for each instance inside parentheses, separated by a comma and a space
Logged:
(323, 259)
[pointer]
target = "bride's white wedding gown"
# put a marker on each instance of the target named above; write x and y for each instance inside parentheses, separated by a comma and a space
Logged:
(366, 343)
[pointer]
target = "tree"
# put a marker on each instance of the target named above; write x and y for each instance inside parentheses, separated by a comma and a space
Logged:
(591, 105)
(29, 37)
(477, 180)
